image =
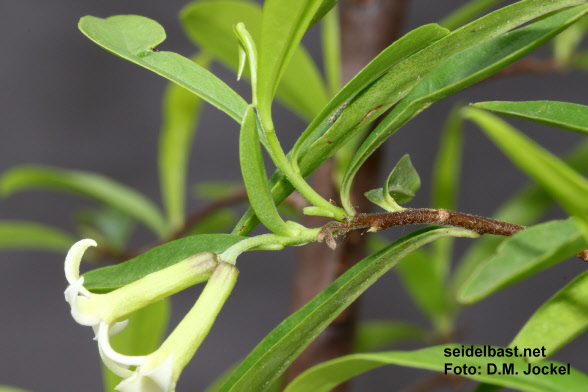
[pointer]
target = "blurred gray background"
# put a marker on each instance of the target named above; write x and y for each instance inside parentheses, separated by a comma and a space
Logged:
(65, 102)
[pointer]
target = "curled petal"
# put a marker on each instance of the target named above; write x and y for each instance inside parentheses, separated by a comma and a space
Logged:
(108, 352)
(74, 293)
(74, 258)
(113, 331)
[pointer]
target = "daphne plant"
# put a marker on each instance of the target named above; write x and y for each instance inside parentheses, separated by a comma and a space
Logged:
(348, 124)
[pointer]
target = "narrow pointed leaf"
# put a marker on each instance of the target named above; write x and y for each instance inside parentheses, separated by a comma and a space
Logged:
(215, 222)
(375, 335)
(445, 186)
(4, 388)
(458, 72)
(31, 235)
(323, 10)
(141, 337)
(282, 26)
(564, 115)
(110, 278)
(565, 185)
(217, 190)
(181, 110)
(106, 226)
(421, 281)
(565, 45)
(321, 140)
(324, 377)
(273, 355)
(134, 38)
(524, 208)
(558, 321)
(91, 185)
(522, 255)
(255, 176)
(467, 12)
(209, 24)
(331, 45)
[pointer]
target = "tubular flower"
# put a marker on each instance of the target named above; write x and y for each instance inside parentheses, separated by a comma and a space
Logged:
(160, 370)
(102, 311)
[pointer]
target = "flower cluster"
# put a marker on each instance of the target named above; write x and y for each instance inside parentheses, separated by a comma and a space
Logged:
(160, 370)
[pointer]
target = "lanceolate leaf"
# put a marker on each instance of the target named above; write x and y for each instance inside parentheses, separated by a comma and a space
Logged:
(4, 388)
(134, 38)
(283, 24)
(564, 184)
(326, 376)
(375, 335)
(331, 45)
(398, 51)
(391, 87)
(255, 177)
(110, 278)
(324, 9)
(422, 282)
(458, 72)
(141, 337)
(91, 185)
(445, 186)
(210, 25)
(522, 255)
(559, 321)
(569, 116)
(30, 235)
(271, 357)
(466, 13)
(181, 110)
(525, 208)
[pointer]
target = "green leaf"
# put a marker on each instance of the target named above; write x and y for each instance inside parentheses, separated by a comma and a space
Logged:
(255, 177)
(134, 38)
(217, 190)
(215, 222)
(141, 337)
(467, 12)
(271, 357)
(324, 377)
(331, 45)
(565, 45)
(375, 335)
(283, 24)
(558, 321)
(5, 388)
(568, 116)
(458, 72)
(522, 255)
(403, 182)
(398, 51)
(31, 235)
(106, 226)
(525, 208)
(181, 110)
(91, 185)
(565, 185)
(445, 186)
(106, 279)
(400, 187)
(209, 24)
(320, 140)
(421, 281)
(324, 9)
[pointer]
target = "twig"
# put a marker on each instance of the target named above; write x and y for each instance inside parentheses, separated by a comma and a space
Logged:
(530, 65)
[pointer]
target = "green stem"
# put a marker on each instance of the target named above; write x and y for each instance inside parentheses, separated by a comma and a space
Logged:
(296, 179)
(268, 241)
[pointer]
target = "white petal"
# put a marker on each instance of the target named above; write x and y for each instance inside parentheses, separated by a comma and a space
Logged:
(156, 380)
(104, 345)
(72, 296)
(74, 258)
